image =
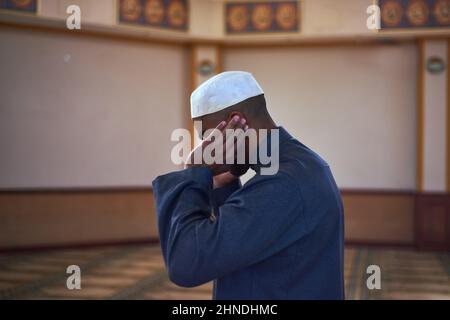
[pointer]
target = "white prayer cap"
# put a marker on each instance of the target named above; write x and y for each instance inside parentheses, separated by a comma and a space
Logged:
(223, 91)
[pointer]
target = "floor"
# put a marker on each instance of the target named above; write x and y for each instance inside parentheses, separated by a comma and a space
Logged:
(137, 272)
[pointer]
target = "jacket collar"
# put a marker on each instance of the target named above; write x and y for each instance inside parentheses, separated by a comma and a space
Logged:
(266, 144)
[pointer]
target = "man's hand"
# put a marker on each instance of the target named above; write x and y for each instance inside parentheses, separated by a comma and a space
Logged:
(217, 168)
(223, 179)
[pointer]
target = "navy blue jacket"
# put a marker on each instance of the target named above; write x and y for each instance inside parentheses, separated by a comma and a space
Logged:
(277, 237)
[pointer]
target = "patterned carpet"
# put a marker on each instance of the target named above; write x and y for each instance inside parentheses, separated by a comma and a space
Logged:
(137, 272)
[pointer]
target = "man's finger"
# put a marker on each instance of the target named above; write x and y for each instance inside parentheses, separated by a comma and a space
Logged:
(241, 124)
(234, 145)
(220, 127)
(233, 122)
(236, 123)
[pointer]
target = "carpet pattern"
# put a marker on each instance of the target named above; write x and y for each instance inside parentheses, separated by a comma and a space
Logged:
(137, 272)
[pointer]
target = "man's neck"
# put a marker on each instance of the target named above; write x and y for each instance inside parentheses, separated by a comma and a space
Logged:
(267, 124)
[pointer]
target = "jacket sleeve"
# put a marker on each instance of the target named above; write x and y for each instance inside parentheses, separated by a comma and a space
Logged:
(250, 227)
(220, 195)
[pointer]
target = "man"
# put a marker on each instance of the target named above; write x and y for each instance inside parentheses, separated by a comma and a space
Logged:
(280, 236)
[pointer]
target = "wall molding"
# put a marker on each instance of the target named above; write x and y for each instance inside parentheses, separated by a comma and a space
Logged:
(420, 115)
(47, 218)
(344, 191)
(71, 217)
(65, 190)
(432, 221)
(383, 192)
(380, 244)
(448, 116)
(169, 37)
(79, 245)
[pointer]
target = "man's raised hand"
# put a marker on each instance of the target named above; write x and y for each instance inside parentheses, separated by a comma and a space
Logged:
(219, 141)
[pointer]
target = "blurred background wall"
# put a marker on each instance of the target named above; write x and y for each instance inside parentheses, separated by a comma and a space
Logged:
(86, 115)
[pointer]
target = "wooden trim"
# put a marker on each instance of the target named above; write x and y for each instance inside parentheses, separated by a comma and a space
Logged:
(420, 115)
(87, 32)
(192, 85)
(417, 229)
(75, 216)
(352, 194)
(33, 22)
(169, 37)
(448, 116)
(344, 191)
(426, 222)
(381, 244)
(65, 190)
(377, 192)
(219, 60)
(389, 192)
(38, 7)
(155, 241)
(75, 246)
(316, 43)
(193, 67)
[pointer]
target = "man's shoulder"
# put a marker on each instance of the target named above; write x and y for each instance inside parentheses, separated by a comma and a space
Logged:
(282, 179)
(295, 157)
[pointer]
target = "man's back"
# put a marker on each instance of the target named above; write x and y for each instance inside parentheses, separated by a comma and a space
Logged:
(278, 237)
(311, 265)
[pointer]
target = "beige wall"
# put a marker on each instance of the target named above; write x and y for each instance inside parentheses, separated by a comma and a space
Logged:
(87, 111)
(354, 105)
(335, 18)
(206, 18)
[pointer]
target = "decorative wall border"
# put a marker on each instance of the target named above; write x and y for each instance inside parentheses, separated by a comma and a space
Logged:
(164, 14)
(262, 17)
(23, 6)
(414, 14)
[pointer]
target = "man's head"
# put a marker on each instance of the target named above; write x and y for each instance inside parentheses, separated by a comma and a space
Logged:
(232, 95)
(253, 110)
(226, 95)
